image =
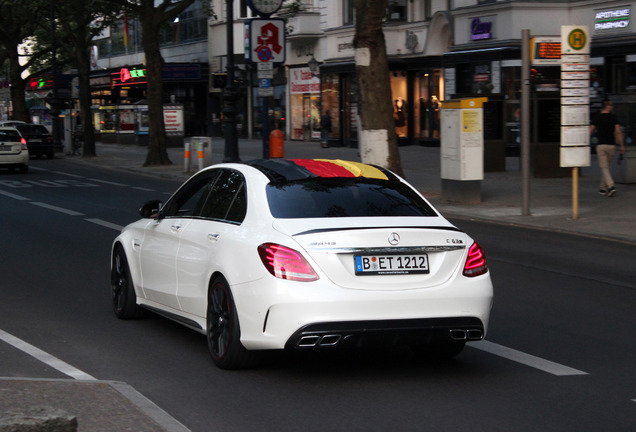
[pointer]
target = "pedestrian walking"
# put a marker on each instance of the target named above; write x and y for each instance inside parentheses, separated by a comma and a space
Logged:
(609, 134)
(325, 128)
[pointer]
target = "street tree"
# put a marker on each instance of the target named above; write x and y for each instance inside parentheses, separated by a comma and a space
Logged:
(68, 34)
(15, 34)
(376, 132)
(82, 21)
(152, 15)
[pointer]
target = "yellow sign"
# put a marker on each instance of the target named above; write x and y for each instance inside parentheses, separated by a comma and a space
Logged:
(471, 120)
(575, 40)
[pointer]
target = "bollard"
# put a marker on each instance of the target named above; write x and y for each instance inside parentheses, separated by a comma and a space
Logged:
(186, 156)
(201, 154)
(276, 144)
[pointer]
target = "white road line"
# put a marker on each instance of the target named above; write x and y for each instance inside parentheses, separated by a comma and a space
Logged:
(107, 182)
(14, 196)
(105, 223)
(143, 189)
(526, 359)
(68, 174)
(44, 357)
(59, 209)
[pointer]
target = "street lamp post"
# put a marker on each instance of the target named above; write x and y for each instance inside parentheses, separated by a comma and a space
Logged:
(231, 142)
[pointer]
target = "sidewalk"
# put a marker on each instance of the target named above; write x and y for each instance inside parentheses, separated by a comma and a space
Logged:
(551, 200)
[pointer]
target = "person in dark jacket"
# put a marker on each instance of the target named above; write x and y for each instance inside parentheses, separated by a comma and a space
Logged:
(325, 128)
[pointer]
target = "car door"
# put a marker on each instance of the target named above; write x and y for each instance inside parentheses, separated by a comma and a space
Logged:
(212, 232)
(160, 245)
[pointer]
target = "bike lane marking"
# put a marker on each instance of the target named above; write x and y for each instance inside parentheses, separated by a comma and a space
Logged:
(526, 359)
(45, 357)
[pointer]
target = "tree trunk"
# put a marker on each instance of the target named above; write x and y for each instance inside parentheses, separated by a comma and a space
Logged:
(83, 73)
(18, 86)
(157, 153)
(376, 133)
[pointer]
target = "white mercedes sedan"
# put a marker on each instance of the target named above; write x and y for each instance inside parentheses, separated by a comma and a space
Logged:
(303, 254)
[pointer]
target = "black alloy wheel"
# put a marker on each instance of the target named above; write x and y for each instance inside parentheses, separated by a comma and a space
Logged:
(223, 331)
(122, 290)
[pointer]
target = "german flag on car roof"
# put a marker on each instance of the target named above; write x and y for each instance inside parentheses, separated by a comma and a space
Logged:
(297, 169)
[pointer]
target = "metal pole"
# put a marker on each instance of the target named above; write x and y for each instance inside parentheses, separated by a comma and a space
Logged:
(231, 141)
(575, 193)
(525, 122)
(55, 106)
(265, 126)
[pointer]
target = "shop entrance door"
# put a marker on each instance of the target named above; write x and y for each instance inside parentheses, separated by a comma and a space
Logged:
(311, 117)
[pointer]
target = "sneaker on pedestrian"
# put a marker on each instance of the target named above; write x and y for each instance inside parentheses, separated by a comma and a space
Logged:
(602, 191)
(611, 192)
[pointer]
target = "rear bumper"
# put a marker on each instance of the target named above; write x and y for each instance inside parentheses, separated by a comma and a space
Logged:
(40, 148)
(365, 333)
(301, 315)
(14, 160)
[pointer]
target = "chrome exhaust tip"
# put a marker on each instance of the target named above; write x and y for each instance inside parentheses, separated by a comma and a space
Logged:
(308, 341)
(458, 334)
(475, 334)
(330, 340)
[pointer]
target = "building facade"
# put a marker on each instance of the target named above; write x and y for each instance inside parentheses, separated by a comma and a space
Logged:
(438, 50)
(118, 80)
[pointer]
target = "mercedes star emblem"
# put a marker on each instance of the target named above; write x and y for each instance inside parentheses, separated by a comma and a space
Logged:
(394, 239)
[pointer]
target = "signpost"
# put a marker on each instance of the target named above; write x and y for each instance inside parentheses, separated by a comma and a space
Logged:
(265, 47)
(575, 103)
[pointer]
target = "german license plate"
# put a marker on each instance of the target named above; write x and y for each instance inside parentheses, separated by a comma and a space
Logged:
(391, 264)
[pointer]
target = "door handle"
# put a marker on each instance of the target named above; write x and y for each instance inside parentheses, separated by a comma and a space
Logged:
(175, 228)
(213, 236)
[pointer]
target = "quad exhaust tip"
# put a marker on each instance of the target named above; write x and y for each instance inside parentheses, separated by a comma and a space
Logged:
(466, 335)
(319, 340)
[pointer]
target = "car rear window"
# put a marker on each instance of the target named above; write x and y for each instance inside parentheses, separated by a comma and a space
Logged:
(344, 197)
(32, 129)
(9, 135)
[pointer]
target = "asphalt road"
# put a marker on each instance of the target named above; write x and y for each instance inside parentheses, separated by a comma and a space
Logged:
(558, 357)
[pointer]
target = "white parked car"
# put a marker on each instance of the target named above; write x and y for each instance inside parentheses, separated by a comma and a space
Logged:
(302, 254)
(14, 153)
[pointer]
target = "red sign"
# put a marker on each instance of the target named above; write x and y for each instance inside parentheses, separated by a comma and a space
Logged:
(127, 76)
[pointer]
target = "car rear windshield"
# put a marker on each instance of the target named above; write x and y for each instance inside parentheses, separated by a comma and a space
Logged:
(344, 197)
(32, 129)
(9, 135)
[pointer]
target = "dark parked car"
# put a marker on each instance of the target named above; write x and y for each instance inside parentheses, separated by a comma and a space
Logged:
(38, 139)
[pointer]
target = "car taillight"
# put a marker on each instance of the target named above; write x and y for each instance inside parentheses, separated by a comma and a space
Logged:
(23, 141)
(475, 261)
(286, 263)
(23, 145)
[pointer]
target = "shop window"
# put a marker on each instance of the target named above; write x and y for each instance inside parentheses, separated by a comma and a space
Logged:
(400, 103)
(347, 12)
(428, 88)
(631, 78)
(396, 10)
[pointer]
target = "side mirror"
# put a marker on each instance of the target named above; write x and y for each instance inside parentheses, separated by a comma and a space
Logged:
(150, 209)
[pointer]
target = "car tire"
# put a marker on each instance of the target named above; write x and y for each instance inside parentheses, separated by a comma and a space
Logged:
(223, 330)
(123, 294)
